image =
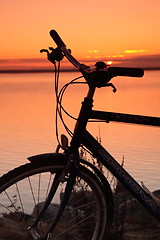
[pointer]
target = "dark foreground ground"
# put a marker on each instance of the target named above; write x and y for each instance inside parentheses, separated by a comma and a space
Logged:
(132, 221)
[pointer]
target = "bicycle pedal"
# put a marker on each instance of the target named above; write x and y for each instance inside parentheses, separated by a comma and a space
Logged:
(156, 199)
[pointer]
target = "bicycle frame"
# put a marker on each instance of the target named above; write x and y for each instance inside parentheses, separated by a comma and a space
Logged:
(143, 195)
(125, 118)
(82, 136)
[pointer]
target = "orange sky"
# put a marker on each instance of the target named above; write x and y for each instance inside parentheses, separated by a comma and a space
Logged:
(101, 29)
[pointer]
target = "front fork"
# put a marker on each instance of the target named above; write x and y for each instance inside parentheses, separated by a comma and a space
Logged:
(68, 174)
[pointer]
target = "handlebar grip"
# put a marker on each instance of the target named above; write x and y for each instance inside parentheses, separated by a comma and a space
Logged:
(57, 38)
(129, 72)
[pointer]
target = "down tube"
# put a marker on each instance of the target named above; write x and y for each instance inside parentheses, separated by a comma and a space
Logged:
(121, 174)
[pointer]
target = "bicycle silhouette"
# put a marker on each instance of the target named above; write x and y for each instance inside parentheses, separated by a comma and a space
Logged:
(59, 195)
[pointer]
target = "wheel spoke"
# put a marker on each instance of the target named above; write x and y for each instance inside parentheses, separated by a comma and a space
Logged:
(32, 191)
(19, 195)
(12, 203)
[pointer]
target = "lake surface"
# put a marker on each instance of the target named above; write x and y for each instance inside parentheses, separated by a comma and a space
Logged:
(27, 120)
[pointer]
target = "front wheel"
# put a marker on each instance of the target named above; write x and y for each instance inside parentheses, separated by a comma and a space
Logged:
(24, 190)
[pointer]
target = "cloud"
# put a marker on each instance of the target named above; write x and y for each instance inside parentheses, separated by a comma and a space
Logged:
(22, 60)
(135, 51)
(93, 51)
(23, 63)
(143, 61)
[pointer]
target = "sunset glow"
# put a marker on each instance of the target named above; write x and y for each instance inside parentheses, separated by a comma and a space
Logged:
(135, 51)
(93, 29)
(109, 62)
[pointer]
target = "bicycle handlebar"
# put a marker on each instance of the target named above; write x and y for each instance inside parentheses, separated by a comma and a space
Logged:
(129, 72)
(110, 72)
(57, 39)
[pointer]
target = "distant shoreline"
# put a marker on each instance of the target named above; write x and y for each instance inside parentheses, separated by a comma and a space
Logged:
(51, 70)
(36, 71)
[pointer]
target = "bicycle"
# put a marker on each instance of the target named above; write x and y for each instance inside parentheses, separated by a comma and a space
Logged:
(77, 201)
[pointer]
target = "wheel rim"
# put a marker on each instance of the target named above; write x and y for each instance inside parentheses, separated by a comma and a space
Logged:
(20, 203)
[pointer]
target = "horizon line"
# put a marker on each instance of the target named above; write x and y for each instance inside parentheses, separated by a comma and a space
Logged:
(52, 70)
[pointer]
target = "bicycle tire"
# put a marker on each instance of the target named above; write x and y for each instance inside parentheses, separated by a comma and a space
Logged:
(17, 210)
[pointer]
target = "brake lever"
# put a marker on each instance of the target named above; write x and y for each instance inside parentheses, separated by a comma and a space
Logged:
(55, 54)
(111, 85)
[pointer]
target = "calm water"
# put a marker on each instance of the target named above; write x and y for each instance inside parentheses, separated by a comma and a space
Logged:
(27, 120)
